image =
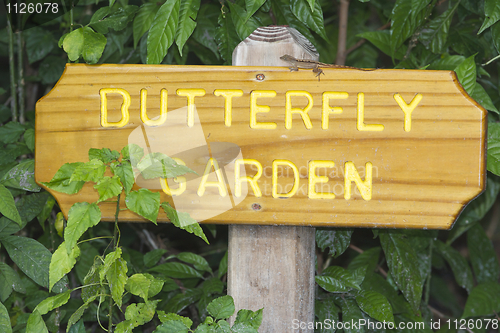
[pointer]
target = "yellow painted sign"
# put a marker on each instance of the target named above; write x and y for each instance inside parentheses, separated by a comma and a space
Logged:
(383, 148)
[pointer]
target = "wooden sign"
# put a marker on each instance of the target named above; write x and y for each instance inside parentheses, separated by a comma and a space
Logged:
(382, 148)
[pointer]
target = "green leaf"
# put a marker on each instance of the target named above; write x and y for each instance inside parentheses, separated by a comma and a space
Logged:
(223, 266)
(249, 317)
(138, 284)
(8, 207)
(311, 16)
(482, 97)
(156, 285)
(8, 227)
(22, 176)
(9, 280)
(337, 240)
(375, 305)
(382, 40)
(491, 13)
(184, 221)
(244, 25)
(164, 317)
(493, 152)
(94, 44)
(29, 139)
(116, 18)
(484, 300)
(402, 24)
(226, 37)
(324, 309)
(482, 255)
(61, 264)
(108, 187)
(434, 34)
(91, 171)
(81, 216)
(145, 203)
(52, 303)
(92, 281)
(351, 313)
(36, 324)
(61, 180)
(284, 16)
(117, 278)
(5, 325)
(31, 257)
(176, 270)
(335, 279)
(124, 170)
(182, 300)
(133, 153)
(466, 73)
(368, 258)
(188, 12)
(73, 44)
(152, 257)
(105, 155)
(204, 33)
(39, 43)
(221, 308)
(141, 313)
(253, 5)
(108, 261)
(143, 20)
(199, 262)
(172, 326)
(403, 265)
(162, 32)
(448, 62)
(11, 132)
(458, 264)
(495, 34)
(75, 317)
(160, 165)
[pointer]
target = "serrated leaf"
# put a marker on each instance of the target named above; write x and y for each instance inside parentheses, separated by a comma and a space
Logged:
(482, 97)
(188, 12)
(53, 302)
(312, 17)
(221, 308)
(22, 176)
(92, 281)
(5, 325)
(226, 37)
(73, 44)
(75, 317)
(61, 180)
(403, 265)
(108, 261)
(336, 279)
(133, 153)
(91, 171)
(375, 305)
(337, 240)
(143, 20)
(162, 32)
(483, 300)
(141, 313)
(117, 278)
(466, 73)
(36, 324)
(8, 206)
(31, 257)
(459, 266)
(491, 13)
(145, 203)
(249, 317)
(108, 187)
(199, 262)
(93, 45)
(138, 284)
(435, 33)
(184, 221)
(81, 217)
(124, 170)
(156, 165)
(11, 132)
(482, 255)
(164, 317)
(177, 270)
(61, 264)
(172, 326)
(105, 155)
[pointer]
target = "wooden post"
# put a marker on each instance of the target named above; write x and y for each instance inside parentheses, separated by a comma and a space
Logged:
(272, 267)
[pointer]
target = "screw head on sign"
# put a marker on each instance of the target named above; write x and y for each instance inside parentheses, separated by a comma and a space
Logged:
(256, 206)
(260, 77)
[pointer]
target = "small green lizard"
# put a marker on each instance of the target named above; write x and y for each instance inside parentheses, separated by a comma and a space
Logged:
(314, 65)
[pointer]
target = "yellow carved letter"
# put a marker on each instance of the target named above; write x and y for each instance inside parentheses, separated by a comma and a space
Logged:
(212, 163)
(352, 175)
(179, 179)
(327, 110)
(295, 187)
(361, 117)
(190, 94)
(228, 104)
(252, 180)
(254, 109)
(314, 179)
(124, 109)
(408, 108)
(302, 112)
(163, 108)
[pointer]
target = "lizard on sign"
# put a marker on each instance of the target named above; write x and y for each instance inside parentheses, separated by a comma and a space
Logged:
(316, 66)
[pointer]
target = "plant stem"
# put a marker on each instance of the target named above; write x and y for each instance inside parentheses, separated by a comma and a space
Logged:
(13, 101)
(20, 66)
(115, 245)
(342, 43)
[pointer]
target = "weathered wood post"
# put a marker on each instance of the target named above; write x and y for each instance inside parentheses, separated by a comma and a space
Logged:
(273, 266)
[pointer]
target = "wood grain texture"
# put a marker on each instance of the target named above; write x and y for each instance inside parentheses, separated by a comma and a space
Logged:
(421, 179)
